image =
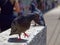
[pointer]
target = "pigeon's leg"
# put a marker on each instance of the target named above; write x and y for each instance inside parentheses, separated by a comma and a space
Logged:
(26, 34)
(19, 38)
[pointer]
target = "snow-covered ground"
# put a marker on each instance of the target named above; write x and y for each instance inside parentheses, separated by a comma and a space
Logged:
(37, 36)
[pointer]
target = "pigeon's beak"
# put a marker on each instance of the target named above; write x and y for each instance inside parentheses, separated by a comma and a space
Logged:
(10, 34)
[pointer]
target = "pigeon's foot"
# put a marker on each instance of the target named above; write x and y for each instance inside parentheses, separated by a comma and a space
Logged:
(19, 38)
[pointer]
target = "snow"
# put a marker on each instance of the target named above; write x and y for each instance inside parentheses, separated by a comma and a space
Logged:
(32, 32)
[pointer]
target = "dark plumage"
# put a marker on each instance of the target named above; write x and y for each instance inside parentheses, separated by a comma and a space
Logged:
(22, 23)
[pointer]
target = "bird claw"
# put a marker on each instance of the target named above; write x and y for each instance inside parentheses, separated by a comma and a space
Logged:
(19, 39)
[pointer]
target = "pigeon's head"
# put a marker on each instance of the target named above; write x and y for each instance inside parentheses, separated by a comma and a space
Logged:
(13, 31)
(13, 28)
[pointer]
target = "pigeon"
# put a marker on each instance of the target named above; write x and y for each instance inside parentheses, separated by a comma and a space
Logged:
(22, 23)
